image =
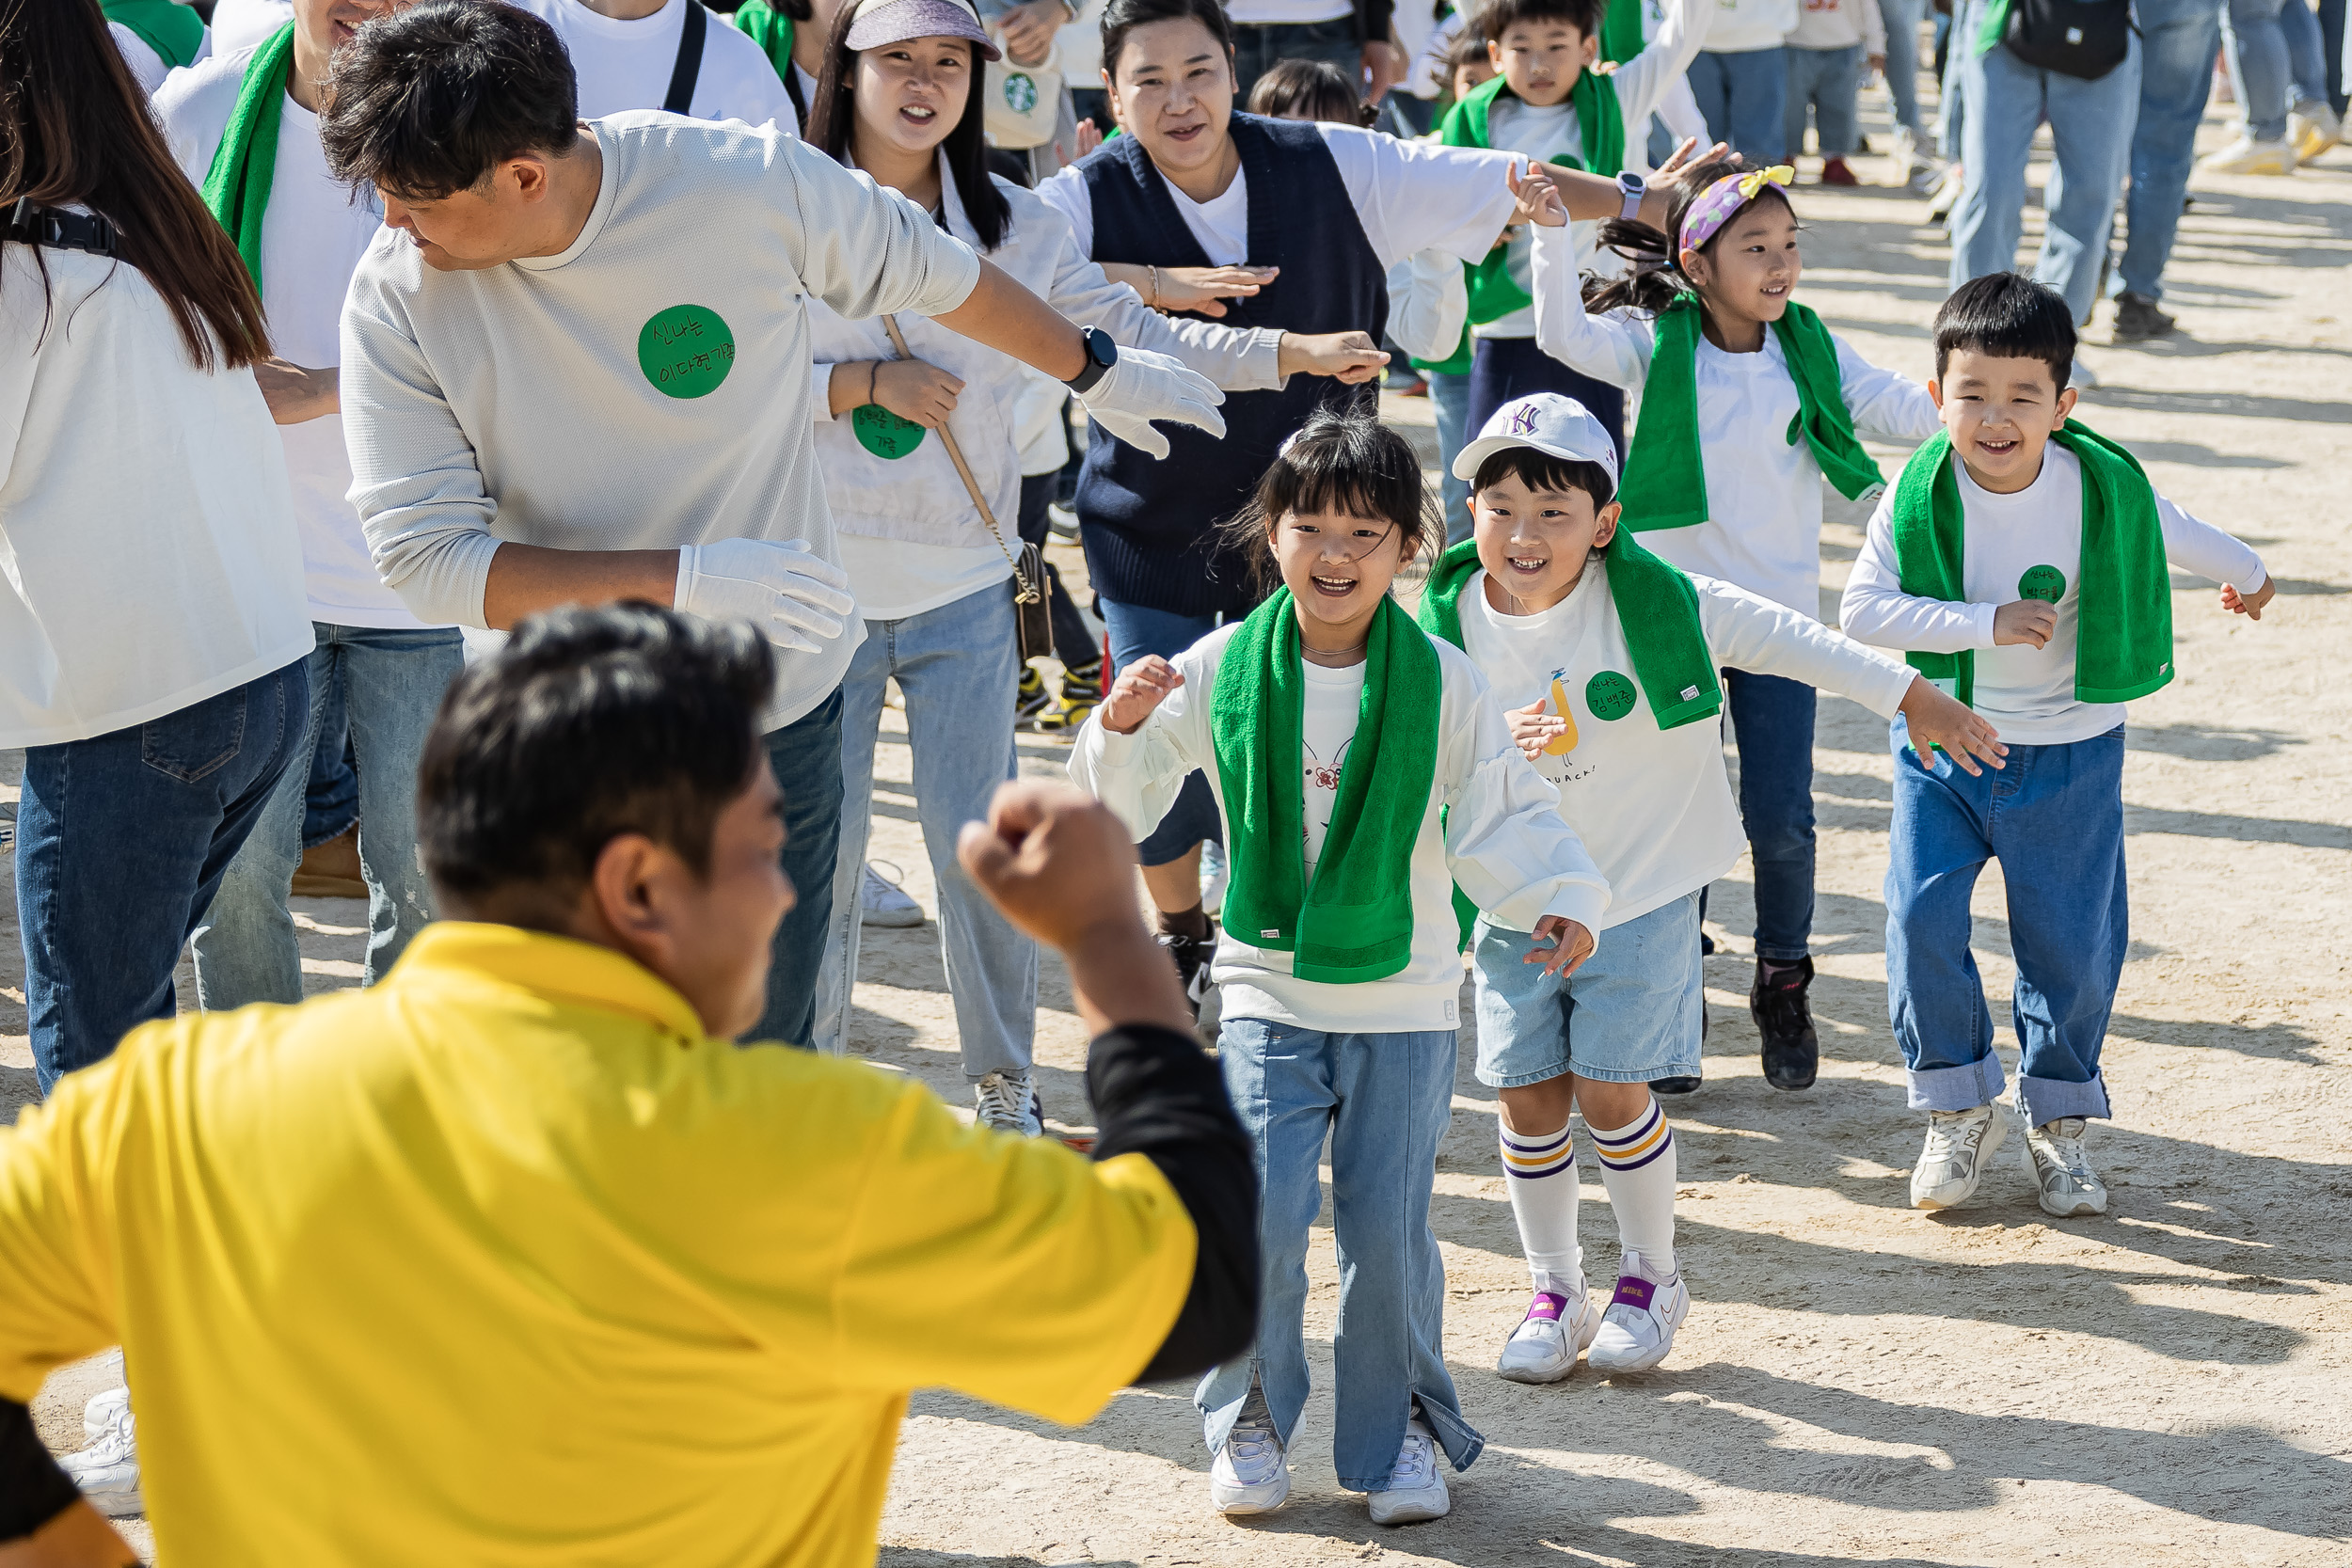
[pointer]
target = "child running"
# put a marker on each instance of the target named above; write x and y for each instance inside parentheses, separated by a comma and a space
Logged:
(1741, 383)
(1604, 659)
(1363, 776)
(2021, 559)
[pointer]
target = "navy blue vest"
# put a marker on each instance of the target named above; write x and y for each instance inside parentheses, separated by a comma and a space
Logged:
(1151, 526)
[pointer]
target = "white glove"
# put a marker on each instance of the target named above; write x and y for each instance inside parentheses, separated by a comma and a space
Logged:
(1142, 387)
(794, 596)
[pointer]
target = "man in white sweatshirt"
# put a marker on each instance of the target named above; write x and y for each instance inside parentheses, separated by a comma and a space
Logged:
(577, 369)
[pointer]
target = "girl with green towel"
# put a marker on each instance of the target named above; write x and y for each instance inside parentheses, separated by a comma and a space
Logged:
(1745, 387)
(1363, 776)
(1604, 659)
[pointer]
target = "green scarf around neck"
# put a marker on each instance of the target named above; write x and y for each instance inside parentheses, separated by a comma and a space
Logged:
(236, 187)
(1493, 292)
(2123, 637)
(1621, 31)
(772, 31)
(174, 32)
(1665, 475)
(1354, 923)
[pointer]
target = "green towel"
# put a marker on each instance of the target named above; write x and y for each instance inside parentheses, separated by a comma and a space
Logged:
(174, 32)
(1996, 24)
(1621, 30)
(772, 31)
(1356, 922)
(1666, 474)
(2123, 633)
(1493, 292)
(236, 187)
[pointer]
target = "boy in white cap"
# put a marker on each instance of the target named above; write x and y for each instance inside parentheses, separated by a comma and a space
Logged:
(1604, 659)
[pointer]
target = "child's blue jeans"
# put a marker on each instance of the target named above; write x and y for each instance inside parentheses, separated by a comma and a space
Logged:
(2053, 818)
(1384, 1099)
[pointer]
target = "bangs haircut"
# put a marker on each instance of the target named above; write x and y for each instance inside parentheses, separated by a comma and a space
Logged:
(1541, 470)
(1121, 17)
(1497, 16)
(1346, 463)
(2009, 317)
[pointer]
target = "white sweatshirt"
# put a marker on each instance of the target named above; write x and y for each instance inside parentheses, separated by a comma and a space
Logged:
(2026, 692)
(528, 401)
(1839, 25)
(1743, 26)
(1501, 840)
(1655, 805)
(1766, 494)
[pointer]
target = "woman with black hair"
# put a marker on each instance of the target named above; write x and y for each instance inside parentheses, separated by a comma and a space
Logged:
(915, 442)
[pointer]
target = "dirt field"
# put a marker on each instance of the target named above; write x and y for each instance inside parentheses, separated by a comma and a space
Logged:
(1859, 1382)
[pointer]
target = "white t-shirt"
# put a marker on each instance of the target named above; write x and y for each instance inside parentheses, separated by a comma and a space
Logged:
(242, 23)
(144, 515)
(2026, 692)
(1741, 26)
(628, 65)
(313, 233)
(1276, 13)
(1332, 702)
(148, 67)
(1654, 806)
(645, 388)
(1765, 494)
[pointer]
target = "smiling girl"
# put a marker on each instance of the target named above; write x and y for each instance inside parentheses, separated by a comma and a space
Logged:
(1748, 402)
(1363, 776)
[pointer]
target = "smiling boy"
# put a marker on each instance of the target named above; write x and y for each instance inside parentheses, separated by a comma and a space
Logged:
(2028, 579)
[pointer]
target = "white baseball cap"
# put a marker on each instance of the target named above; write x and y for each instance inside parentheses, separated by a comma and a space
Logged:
(1560, 426)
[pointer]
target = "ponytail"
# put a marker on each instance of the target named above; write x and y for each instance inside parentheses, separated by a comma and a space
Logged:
(1654, 279)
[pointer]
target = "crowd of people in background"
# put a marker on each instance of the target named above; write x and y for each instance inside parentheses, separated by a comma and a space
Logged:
(527, 445)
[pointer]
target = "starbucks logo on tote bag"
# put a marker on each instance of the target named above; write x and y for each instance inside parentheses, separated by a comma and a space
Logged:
(1020, 93)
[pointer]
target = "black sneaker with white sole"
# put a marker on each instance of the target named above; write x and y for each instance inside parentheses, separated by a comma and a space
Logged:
(1792, 1051)
(1192, 956)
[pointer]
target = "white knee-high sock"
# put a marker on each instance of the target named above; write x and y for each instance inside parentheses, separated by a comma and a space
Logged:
(1540, 1170)
(1637, 1165)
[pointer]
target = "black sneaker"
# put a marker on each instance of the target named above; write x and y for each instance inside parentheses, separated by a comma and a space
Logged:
(2136, 319)
(1792, 1051)
(1030, 698)
(1192, 956)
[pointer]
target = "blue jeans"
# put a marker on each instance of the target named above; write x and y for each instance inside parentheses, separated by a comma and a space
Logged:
(2274, 53)
(121, 840)
(1449, 396)
(1951, 110)
(2177, 43)
(2092, 125)
(390, 683)
(806, 757)
(1630, 1013)
(956, 666)
(1256, 48)
(2053, 818)
(1744, 98)
(1383, 1100)
(330, 797)
(1902, 61)
(1828, 82)
(1137, 630)
(1771, 721)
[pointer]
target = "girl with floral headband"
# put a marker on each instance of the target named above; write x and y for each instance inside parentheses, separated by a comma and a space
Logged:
(1748, 402)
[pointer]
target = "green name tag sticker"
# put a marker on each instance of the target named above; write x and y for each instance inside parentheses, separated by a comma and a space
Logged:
(1610, 695)
(2046, 583)
(882, 433)
(686, 351)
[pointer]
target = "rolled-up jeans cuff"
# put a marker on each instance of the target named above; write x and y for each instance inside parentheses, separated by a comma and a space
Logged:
(2041, 1099)
(1958, 1088)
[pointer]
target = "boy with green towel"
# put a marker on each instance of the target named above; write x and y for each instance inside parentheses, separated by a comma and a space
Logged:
(1604, 659)
(2020, 561)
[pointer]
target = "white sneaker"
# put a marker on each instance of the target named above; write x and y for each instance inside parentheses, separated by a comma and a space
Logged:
(1216, 874)
(1251, 1473)
(2312, 128)
(2053, 1156)
(108, 1470)
(882, 902)
(2081, 376)
(1903, 155)
(104, 1410)
(1638, 1329)
(1952, 1161)
(2248, 156)
(1416, 1489)
(1544, 1348)
(1008, 1102)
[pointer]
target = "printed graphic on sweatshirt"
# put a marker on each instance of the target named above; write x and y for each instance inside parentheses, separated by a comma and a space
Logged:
(882, 433)
(1319, 796)
(2046, 583)
(1557, 763)
(686, 351)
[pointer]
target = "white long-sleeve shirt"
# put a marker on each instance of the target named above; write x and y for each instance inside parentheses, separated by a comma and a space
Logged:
(1743, 26)
(1655, 805)
(1428, 305)
(1839, 25)
(625, 63)
(1765, 534)
(645, 388)
(1503, 839)
(2026, 692)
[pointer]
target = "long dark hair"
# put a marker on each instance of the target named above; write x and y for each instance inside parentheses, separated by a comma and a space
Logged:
(74, 128)
(1656, 278)
(833, 115)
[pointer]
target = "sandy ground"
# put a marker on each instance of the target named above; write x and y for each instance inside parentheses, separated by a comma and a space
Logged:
(1859, 1382)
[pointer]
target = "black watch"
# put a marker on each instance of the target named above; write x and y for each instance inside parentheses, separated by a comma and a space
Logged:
(1102, 354)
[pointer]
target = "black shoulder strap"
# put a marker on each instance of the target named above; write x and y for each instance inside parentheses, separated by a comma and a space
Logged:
(690, 59)
(29, 224)
(792, 90)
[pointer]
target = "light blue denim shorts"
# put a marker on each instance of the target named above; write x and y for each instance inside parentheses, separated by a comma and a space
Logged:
(1630, 1015)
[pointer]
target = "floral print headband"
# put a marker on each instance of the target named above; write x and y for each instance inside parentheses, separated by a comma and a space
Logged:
(1725, 198)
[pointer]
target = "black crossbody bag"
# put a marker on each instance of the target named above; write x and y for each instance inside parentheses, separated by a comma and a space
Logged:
(2082, 39)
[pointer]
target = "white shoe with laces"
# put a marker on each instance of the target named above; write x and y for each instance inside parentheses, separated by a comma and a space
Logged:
(2246, 155)
(1008, 1102)
(1557, 1328)
(1952, 1161)
(2053, 1156)
(1416, 1489)
(882, 902)
(108, 1470)
(104, 1410)
(1251, 1474)
(1638, 1328)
